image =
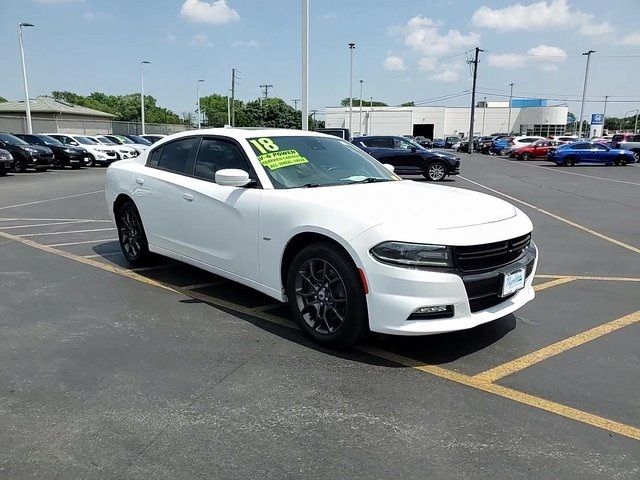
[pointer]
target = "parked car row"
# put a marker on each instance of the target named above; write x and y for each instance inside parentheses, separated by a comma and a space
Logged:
(22, 151)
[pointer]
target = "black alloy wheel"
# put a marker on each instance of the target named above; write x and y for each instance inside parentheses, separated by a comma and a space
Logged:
(131, 235)
(91, 162)
(526, 156)
(20, 165)
(55, 163)
(325, 295)
(569, 162)
(436, 172)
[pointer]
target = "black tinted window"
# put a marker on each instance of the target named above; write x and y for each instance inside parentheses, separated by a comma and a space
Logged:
(154, 157)
(217, 155)
(378, 142)
(598, 146)
(179, 156)
(581, 146)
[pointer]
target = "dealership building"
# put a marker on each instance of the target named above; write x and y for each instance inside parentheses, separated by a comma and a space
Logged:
(528, 117)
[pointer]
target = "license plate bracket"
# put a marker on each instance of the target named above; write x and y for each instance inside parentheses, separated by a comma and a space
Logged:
(512, 282)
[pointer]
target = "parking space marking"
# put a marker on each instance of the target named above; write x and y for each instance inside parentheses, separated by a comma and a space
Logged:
(558, 170)
(50, 200)
(511, 394)
(553, 283)
(41, 234)
(591, 277)
(14, 219)
(558, 217)
(505, 392)
(68, 244)
(13, 227)
(538, 356)
(99, 255)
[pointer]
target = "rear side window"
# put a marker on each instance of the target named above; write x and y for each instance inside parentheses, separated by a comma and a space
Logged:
(215, 155)
(154, 157)
(378, 142)
(179, 156)
(636, 138)
(581, 146)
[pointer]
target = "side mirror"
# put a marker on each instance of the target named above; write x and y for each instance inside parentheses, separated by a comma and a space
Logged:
(388, 166)
(414, 149)
(232, 177)
(74, 143)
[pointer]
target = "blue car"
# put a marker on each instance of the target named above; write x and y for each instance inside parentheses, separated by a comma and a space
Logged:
(438, 143)
(590, 152)
(501, 146)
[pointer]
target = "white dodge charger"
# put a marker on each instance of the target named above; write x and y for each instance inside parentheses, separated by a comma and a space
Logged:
(311, 220)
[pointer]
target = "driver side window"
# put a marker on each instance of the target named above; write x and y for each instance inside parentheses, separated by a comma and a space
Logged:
(217, 155)
(400, 144)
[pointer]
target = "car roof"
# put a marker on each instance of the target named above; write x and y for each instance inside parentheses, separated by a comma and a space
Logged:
(244, 133)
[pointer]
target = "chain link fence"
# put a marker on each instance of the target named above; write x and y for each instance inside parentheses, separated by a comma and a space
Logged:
(50, 124)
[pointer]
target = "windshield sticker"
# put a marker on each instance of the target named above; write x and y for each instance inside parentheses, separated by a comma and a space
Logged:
(283, 158)
(264, 145)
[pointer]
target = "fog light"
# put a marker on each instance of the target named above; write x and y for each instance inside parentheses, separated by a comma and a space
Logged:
(432, 312)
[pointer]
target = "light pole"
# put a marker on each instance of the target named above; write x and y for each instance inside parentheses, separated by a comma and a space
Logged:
(352, 47)
(584, 90)
(142, 64)
(305, 65)
(604, 112)
(198, 96)
(360, 119)
(484, 114)
(370, 115)
(510, 99)
(637, 110)
(229, 107)
(24, 76)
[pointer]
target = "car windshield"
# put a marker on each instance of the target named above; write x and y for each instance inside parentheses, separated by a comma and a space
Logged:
(47, 140)
(310, 161)
(85, 140)
(11, 140)
(125, 140)
(106, 141)
(140, 140)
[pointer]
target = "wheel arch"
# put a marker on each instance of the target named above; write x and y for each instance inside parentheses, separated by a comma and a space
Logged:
(120, 200)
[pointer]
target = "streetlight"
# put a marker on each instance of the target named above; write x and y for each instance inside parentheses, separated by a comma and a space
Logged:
(352, 47)
(229, 107)
(360, 119)
(142, 63)
(305, 65)
(484, 114)
(198, 95)
(24, 75)
(510, 100)
(584, 90)
(637, 110)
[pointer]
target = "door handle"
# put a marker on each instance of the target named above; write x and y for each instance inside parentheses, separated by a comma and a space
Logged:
(188, 197)
(140, 181)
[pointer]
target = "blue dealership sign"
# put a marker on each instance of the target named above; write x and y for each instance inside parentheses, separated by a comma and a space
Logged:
(596, 119)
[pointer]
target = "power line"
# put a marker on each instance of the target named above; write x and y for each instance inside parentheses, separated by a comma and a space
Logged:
(266, 90)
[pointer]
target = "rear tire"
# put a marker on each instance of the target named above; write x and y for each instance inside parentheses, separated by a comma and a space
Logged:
(569, 162)
(526, 156)
(131, 234)
(436, 172)
(20, 165)
(325, 295)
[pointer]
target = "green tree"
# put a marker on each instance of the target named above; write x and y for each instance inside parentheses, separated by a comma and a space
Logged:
(408, 104)
(365, 102)
(2, 99)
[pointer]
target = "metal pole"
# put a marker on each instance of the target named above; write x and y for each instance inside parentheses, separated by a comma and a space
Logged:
(233, 97)
(352, 47)
(142, 94)
(228, 108)
(584, 90)
(360, 119)
(198, 95)
(484, 114)
(604, 112)
(305, 65)
(24, 77)
(370, 115)
(635, 128)
(473, 98)
(510, 99)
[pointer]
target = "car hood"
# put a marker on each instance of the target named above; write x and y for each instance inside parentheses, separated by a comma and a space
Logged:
(412, 211)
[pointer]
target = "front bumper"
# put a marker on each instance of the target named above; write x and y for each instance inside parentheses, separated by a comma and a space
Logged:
(397, 292)
(40, 160)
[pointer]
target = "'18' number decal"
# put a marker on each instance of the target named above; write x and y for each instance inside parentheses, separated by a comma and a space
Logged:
(264, 145)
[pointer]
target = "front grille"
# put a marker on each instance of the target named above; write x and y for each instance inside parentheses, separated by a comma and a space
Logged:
(490, 256)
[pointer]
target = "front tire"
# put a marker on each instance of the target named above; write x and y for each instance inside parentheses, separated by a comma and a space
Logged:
(20, 165)
(569, 162)
(436, 172)
(526, 156)
(131, 235)
(326, 296)
(91, 162)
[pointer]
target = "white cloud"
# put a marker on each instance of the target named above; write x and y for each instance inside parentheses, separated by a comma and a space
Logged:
(55, 2)
(91, 15)
(427, 64)
(393, 63)
(200, 40)
(329, 16)
(215, 13)
(421, 35)
(447, 75)
(240, 43)
(170, 38)
(540, 16)
(543, 56)
(631, 39)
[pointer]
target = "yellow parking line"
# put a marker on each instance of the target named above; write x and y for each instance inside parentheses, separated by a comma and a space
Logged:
(532, 358)
(553, 283)
(511, 394)
(591, 277)
(558, 217)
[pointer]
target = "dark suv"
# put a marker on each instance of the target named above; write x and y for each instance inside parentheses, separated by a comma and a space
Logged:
(64, 155)
(25, 155)
(409, 158)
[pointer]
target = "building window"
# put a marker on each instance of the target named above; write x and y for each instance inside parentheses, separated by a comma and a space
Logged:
(542, 130)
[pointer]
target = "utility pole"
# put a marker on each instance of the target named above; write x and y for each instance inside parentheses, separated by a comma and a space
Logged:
(313, 119)
(24, 76)
(604, 112)
(295, 103)
(584, 90)
(510, 100)
(352, 47)
(473, 96)
(198, 95)
(233, 97)
(266, 90)
(305, 65)
(229, 107)
(142, 64)
(370, 115)
(484, 114)
(360, 119)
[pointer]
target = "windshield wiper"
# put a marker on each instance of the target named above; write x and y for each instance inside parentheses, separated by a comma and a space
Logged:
(371, 180)
(309, 185)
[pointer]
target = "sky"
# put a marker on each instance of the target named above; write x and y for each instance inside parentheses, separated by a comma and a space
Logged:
(406, 50)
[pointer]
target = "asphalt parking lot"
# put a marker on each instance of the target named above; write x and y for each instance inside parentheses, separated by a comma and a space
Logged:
(170, 372)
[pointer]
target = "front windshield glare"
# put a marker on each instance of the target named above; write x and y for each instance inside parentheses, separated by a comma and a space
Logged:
(11, 140)
(85, 141)
(50, 141)
(310, 161)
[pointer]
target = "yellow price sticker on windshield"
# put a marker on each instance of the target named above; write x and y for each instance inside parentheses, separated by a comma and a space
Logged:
(280, 159)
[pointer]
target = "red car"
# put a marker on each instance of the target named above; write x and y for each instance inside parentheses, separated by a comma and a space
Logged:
(538, 149)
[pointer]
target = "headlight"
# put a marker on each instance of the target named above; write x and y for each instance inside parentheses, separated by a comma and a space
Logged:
(414, 254)
(67, 150)
(31, 150)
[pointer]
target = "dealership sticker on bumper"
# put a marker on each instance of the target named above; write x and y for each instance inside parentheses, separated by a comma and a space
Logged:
(513, 282)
